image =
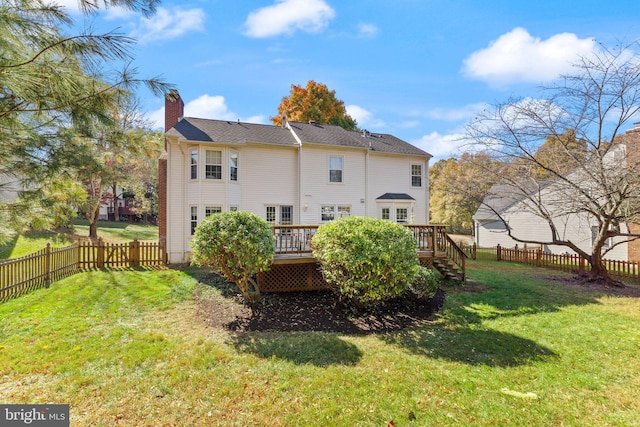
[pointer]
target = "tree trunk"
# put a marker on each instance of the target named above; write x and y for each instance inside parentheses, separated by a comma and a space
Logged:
(116, 208)
(94, 214)
(599, 273)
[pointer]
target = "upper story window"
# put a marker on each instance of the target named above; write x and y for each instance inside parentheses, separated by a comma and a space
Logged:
(233, 166)
(213, 165)
(335, 169)
(416, 175)
(194, 164)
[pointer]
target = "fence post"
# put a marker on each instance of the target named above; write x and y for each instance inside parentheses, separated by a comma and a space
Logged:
(100, 260)
(134, 253)
(47, 265)
(539, 257)
(473, 251)
(498, 253)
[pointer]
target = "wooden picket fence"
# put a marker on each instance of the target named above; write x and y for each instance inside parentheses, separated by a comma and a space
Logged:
(22, 275)
(627, 271)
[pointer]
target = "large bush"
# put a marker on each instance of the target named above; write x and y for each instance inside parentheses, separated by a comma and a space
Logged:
(236, 245)
(366, 260)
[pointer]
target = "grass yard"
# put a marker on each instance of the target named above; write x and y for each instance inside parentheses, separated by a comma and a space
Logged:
(516, 347)
(113, 232)
(119, 231)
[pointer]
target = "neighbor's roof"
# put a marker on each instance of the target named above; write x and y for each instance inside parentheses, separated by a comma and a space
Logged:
(230, 132)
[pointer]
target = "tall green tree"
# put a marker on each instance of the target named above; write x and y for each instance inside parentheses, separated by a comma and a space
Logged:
(315, 102)
(51, 82)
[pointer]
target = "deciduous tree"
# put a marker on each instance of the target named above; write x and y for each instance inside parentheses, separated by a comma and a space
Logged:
(315, 102)
(587, 171)
(458, 186)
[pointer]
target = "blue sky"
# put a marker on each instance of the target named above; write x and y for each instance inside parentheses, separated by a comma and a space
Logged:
(419, 70)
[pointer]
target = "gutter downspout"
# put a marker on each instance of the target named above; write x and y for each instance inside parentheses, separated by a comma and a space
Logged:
(299, 183)
(366, 180)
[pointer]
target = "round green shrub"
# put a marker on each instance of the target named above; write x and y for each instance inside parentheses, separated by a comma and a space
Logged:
(425, 283)
(236, 245)
(365, 260)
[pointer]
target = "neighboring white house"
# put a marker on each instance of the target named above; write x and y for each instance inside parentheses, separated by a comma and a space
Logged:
(10, 188)
(300, 173)
(518, 210)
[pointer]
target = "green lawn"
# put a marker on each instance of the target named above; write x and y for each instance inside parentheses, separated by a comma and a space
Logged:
(119, 231)
(515, 348)
(115, 232)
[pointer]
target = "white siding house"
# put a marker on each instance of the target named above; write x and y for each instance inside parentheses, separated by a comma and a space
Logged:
(300, 173)
(509, 207)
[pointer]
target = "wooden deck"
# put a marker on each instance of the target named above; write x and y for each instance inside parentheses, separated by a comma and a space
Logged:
(295, 269)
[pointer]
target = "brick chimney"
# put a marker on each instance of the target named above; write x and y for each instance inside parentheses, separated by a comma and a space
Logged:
(173, 112)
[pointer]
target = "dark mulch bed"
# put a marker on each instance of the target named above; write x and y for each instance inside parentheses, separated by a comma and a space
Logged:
(312, 311)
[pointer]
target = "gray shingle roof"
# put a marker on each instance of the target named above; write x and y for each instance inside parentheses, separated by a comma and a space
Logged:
(230, 132)
(395, 196)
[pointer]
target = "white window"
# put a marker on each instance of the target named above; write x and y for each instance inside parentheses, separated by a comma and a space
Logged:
(328, 212)
(386, 214)
(194, 164)
(194, 219)
(213, 165)
(271, 214)
(210, 210)
(286, 215)
(344, 211)
(233, 166)
(594, 236)
(401, 215)
(335, 169)
(416, 175)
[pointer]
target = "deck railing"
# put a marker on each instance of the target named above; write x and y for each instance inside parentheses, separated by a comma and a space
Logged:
(293, 239)
(296, 239)
(431, 240)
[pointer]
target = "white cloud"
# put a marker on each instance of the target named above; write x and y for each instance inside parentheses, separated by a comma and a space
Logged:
(519, 57)
(71, 6)
(440, 146)
(367, 31)
(364, 117)
(205, 107)
(120, 13)
(168, 24)
(288, 16)
(454, 114)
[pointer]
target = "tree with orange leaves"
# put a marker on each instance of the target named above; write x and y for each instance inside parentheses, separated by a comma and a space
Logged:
(315, 102)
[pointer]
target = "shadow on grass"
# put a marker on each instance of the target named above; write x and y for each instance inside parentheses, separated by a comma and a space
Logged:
(7, 248)
(470, 345)
(301, 348)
